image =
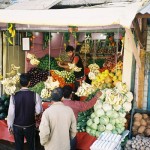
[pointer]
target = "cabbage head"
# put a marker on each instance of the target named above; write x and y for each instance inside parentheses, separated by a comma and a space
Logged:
(89, 122)
(101, 128)
(94, 126)
(96, 120)
(109, 127)
(104, 120)
(99, 112)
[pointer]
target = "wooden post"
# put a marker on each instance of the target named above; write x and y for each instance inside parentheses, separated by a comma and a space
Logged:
(142, 39)
(141, 77)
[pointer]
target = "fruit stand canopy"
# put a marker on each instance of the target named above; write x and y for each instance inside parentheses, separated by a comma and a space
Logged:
(73, 17)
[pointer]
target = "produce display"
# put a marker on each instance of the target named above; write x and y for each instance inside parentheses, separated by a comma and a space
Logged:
(48, 63)
(38, 87)
(9, 84)
(58, 78)
(50, 85)
(37, 75)
(74, 68)
(85, 89)
(138, 143)
(4, 104)
(110, 111)
(33, 59)
(99, 62)
(68, 76)
(85, 48)
(82, 119)
(106, 79)
(141, 124)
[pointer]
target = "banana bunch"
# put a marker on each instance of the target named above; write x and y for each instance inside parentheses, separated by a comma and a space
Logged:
(10, 32)
(93, 67)
(14, 70)
(85, 48)
(73, 67)
(33, 59)
(94, 71)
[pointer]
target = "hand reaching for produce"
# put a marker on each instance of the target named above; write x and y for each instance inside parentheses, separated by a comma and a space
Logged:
(59, 64)
(98, 94)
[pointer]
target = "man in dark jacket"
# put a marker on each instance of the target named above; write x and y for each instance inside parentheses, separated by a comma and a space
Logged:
(23, 108)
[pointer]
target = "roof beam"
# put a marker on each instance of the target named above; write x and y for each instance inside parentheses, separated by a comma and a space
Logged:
(139, 15)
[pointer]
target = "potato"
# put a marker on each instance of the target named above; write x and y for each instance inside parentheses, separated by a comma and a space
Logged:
(143, 122)
(141, 129)
(137, 116)
(145, 116)
(136, 124)
(135, 128)
(135, 133)
(148, 126)
(147, 132)
(148, 121)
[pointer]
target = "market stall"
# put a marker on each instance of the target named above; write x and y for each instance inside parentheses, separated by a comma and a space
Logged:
(105, 51)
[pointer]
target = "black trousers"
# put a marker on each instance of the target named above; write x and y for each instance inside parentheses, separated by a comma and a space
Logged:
(21, 133)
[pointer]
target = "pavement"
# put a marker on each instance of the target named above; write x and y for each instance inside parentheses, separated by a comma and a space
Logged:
(6, 145)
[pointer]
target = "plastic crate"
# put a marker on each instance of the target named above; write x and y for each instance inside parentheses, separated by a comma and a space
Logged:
(141, 111)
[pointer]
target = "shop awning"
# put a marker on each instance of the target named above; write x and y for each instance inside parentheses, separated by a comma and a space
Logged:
(75, 17)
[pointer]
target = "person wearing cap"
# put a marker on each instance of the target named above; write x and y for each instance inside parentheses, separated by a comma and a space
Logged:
(58, 124)
(74, 59)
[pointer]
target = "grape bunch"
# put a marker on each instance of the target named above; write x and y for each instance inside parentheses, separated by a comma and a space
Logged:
(37, 75)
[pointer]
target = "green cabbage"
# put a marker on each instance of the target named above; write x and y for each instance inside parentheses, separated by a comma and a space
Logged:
(94, 126)
(93, 132)
(106, 107)
(96, 120)
(99, 112)
(101, 128)
(109, 127)
(112, 121)
(89, 122)
(98, 134)
(93, 115)
(104, 120)
(88, 129)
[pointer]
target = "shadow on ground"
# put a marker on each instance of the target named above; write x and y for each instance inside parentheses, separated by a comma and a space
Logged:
(6, 145)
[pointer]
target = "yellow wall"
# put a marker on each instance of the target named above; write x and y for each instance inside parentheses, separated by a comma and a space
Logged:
(16, 56)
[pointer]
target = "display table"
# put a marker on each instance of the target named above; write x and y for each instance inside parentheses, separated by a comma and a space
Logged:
(4, 134)
(84, 141)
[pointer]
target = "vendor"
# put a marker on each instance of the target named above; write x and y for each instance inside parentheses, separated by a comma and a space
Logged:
(74, 59)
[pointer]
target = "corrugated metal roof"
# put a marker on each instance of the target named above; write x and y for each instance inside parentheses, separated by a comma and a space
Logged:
(145, 9)
(32, 5)
(61, 4)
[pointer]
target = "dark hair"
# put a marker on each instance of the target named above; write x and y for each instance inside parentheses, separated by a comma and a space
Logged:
(24, 79)
(57, 94)
(69, 48)
(67, 90)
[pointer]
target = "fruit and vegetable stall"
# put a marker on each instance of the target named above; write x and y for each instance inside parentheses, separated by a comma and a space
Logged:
(103, 62)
